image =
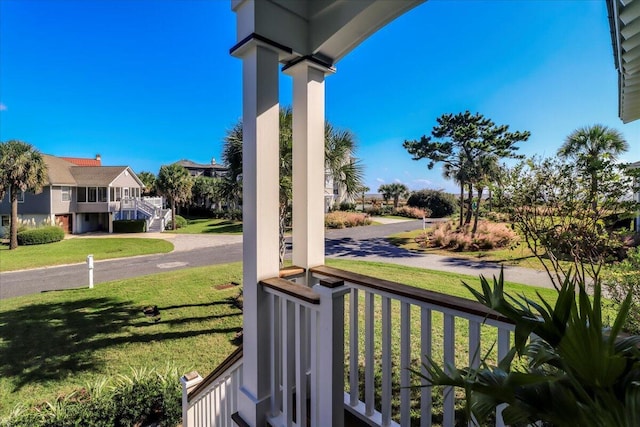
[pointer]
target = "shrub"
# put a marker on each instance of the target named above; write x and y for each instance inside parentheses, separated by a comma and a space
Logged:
(180, 222)
(40, 236)
(339, 219)
(624, 278)
(439, 203)
(410, 212)
(146, 398)
(347, 207)
(129, 226)
(378, 210)
(488, 236)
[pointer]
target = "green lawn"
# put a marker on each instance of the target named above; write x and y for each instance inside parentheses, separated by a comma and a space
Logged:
(53, 342)
(70, 251)
(208, 225)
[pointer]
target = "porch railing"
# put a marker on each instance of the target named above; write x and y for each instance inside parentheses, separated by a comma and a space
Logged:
(351, 341)
(211, 401)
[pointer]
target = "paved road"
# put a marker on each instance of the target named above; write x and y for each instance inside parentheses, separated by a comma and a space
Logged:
(362, 243)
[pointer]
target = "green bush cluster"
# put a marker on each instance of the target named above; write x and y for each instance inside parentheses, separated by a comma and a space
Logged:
(439, 203)
(130, 226)
(622, 279)
(40, 235)
(142, 400)
(378, 210)
(180, 222)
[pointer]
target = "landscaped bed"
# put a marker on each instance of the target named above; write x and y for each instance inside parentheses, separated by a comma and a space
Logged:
(53, 343)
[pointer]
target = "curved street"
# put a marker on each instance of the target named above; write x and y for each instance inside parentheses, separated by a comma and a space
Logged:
(361, 243)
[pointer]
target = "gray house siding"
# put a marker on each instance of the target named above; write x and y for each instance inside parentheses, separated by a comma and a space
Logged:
(34, 204)
(60, 206)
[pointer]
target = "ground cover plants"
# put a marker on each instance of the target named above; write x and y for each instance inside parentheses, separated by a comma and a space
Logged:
(339, 219)
(70, 251)
(488, 236)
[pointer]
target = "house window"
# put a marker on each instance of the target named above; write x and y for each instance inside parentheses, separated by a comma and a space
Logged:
(102, 194)
(66, 194)
(5, 220)
(82, 194)
(20, 196)
(118, 193)
(92, 197)
(112, 194)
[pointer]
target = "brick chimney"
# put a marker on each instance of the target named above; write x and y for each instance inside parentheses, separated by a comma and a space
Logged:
(99, 159)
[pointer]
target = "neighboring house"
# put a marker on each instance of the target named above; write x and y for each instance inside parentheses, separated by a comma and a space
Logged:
(212, 170)
(335, 192)
(83, 196)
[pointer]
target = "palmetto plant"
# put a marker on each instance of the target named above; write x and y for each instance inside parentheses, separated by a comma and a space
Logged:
(577, 372)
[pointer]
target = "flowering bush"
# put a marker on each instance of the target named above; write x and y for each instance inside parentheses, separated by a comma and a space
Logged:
(339, 219)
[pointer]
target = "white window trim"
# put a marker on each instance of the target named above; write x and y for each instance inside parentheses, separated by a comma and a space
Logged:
(67, 192)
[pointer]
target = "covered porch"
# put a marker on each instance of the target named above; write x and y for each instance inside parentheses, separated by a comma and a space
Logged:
(321, 346)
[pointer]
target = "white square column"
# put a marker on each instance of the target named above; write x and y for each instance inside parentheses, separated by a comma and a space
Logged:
(308, 163)
(260, 189)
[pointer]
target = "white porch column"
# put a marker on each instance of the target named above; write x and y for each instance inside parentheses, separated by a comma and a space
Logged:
(260, 170)
(308, 163)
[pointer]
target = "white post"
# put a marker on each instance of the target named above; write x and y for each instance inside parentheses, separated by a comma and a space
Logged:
(329, 401)
(188, 381)
(90, 264)
(308, 164)
(260, 170)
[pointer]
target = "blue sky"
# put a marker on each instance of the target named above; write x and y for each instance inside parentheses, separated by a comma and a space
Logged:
(149, 82)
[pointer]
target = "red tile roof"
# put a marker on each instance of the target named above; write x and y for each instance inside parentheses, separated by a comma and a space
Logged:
(79, 161)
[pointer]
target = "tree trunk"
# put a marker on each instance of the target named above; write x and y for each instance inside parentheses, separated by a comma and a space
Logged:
(467, 219)
(13, 226)
(173, 215)
(396, 201)
(461, 204)
(477, 212)
(283, 223)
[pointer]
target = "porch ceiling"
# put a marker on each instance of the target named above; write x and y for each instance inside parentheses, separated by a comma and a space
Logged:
(624, 20)
(325, 30)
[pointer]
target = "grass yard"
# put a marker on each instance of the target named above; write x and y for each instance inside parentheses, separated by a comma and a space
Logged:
(70, 251)
(208, 225)
(54, 342)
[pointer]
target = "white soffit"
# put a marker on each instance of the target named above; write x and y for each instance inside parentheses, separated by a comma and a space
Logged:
(624, 20)
(324, 30)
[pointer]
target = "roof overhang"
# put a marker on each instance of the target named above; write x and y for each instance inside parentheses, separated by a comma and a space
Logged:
(624, 20)
(323, 31)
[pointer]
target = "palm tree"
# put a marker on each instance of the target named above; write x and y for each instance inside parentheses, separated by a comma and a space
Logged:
(394, 191)
(232, 156)
(363, 191)
(149, 181)
(592, 148)
(22, 168)
(339, 151)
(174, 182)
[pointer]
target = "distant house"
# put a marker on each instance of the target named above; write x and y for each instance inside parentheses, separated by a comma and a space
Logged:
(212, 170)
(85, 196)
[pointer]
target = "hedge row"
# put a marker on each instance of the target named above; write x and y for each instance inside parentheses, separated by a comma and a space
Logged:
(40, 235)
(129, 226)
(136, 402)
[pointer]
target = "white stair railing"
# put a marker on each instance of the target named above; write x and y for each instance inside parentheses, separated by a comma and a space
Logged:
(212, 401)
